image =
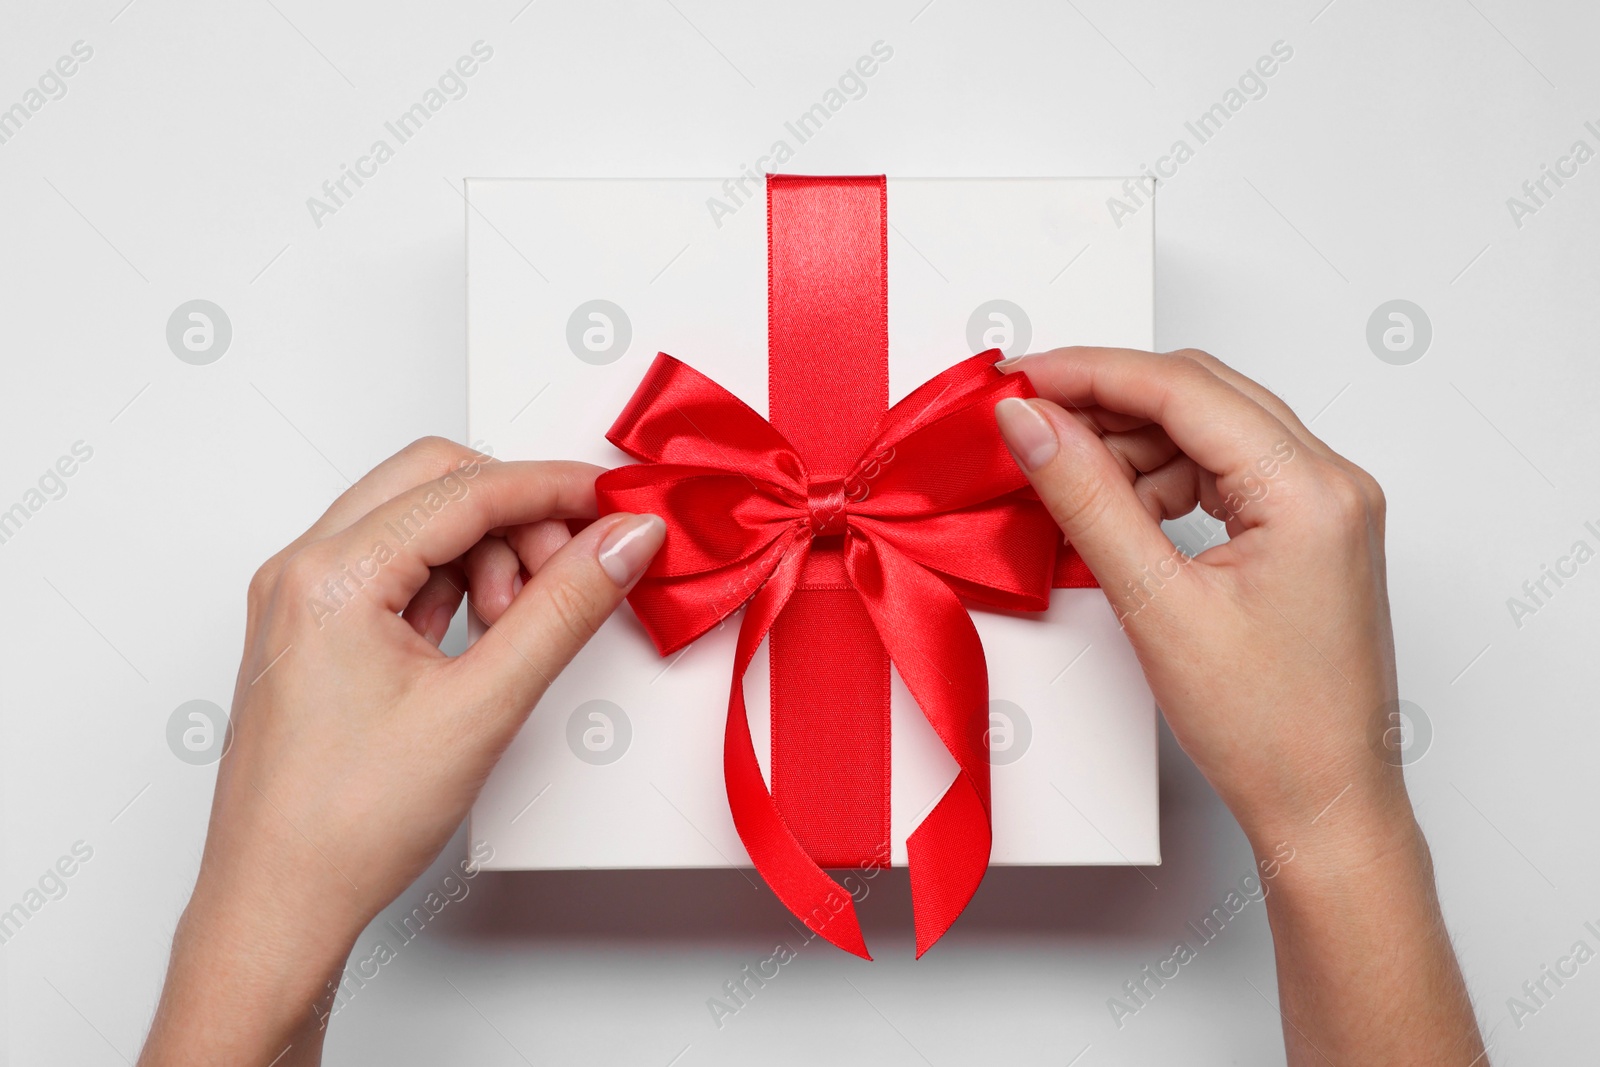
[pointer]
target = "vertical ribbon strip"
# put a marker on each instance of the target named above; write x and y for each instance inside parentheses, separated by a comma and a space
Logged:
(827, 387)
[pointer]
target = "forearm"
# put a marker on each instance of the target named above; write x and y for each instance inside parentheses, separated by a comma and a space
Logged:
(1366, 973)
(245, 985)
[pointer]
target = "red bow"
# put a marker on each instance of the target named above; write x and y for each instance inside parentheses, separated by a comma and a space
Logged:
(933, 511)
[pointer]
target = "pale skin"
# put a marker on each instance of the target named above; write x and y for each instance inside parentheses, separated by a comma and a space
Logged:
(358, 747)
(1272, 657)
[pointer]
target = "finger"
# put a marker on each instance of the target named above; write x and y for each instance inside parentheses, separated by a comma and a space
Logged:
(1220, 427)
(421, 461)
(1085, 490)
(494, 577)
(1170, 491)
(1269, 400)
(1105, 421)
(435, 604)
(554, 616)
(536, 542)
(1211, 503)
(1167, 483)
(1141, 450)
(1285, 414)
(393, 545)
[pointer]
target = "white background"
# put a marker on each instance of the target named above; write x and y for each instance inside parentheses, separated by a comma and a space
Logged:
(1376, 167)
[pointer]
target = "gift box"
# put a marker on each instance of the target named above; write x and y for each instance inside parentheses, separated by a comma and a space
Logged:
(863, 315)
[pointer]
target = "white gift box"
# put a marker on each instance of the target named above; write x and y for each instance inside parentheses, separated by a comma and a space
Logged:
(572, 288)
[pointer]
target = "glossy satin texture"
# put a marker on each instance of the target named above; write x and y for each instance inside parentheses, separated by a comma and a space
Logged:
(827, 387)
(937, 511)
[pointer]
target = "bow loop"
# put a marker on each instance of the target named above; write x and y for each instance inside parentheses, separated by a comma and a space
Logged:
(719, 517)
(946, 452)
(678, 415)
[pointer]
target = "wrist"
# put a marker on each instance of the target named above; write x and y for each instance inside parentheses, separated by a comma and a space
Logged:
(1349, 811)
(1353, 893)
(249, 977)
(1366, 830)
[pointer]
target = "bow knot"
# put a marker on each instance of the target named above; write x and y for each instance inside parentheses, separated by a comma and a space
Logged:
(827, 506)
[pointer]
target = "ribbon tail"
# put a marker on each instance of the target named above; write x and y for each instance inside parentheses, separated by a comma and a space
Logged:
(945, 860)
(803, 887)
(936, 649)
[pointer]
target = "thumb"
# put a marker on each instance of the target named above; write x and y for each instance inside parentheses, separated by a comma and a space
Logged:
(1086, 492)
(560, 608)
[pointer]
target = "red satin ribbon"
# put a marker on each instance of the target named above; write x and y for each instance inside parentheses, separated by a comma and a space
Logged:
(854, 533)
(827, 265)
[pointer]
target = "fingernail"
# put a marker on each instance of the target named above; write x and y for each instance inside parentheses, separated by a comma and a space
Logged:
(627, 547)
(1028, 433)
(439, 623)
(1008, 363)
(516, 584)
